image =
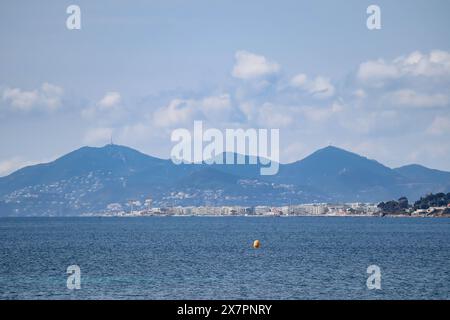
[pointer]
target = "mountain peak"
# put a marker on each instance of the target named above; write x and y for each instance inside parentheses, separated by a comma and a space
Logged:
(332, 153)
(336, 170)
(331, 148)
(417, 172)
(413, 166)
(111, 146)
(108, 151)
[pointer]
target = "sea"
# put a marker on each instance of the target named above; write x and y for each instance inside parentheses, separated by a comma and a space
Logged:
(213, 258)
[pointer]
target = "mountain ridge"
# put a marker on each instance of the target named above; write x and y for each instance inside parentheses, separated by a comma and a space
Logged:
(90, 178)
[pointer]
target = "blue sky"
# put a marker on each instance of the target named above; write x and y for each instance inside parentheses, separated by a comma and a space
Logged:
(139, 69)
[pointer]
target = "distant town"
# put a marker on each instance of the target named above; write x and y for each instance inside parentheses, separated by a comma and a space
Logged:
(292, 210)
(434, 205)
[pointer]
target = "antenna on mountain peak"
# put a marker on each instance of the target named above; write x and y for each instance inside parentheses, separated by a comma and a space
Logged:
(111, 141)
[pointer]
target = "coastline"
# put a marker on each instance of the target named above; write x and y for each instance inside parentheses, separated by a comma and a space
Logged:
(231, 216)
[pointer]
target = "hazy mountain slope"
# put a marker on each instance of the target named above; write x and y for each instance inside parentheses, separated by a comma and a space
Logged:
(343, 175)
(422, 180)
(418, 173)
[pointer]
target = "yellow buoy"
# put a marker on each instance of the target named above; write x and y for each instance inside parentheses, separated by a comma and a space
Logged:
(256, 244)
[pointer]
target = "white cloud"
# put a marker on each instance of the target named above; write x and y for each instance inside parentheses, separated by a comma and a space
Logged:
(439, 126)
(22, 100)
(360, 94)
(299, 80)
(136, 132)
(97, 136)
(318, 113)
(319, 87)
(410, 98)
(361, 123)
(248, 109)
(272, 116)
(217, 108)
(374, 72)
(177, 112)
(51, 95)
(249, 66)
(47, 97)
(110, 100)
(108, 109)
(434, 64)
(183, 111)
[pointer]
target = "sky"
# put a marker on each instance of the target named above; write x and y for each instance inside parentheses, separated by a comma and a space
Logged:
(137, 70)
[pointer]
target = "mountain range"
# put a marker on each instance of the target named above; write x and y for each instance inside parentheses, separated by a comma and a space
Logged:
(90, 180)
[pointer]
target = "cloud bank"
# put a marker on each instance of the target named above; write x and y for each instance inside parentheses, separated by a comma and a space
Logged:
(395, 110)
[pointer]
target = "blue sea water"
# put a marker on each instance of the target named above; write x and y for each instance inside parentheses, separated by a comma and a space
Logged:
(212, 258)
